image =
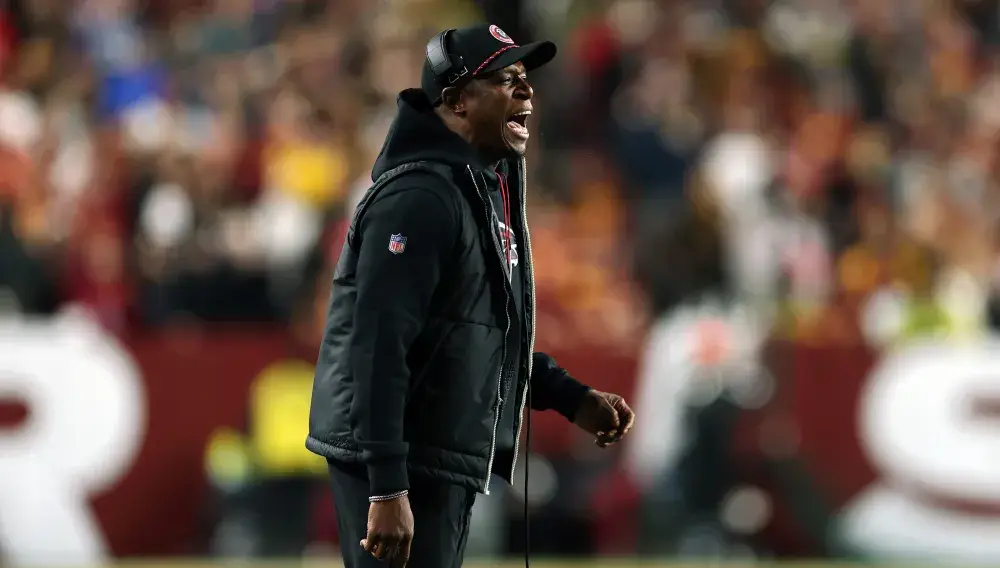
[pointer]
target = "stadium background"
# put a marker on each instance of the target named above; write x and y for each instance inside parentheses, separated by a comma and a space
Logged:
(772, 225)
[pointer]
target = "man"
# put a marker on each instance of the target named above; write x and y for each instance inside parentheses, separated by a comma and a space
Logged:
(427, 361)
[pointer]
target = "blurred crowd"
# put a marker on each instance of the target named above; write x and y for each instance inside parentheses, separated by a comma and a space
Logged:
(184, 161)
(180, 159)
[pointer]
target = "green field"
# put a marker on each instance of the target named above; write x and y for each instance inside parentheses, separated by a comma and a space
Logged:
(535, 563)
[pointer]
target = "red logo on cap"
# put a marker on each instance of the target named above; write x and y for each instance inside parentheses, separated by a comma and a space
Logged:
(500, 35)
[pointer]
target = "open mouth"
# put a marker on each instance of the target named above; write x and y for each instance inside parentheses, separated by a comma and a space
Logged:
(517, 123)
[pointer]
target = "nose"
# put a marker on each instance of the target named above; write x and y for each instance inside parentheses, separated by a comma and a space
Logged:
(524, 91)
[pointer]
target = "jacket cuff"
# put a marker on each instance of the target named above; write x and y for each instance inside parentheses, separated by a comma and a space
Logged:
(387, 477)
(569, 400)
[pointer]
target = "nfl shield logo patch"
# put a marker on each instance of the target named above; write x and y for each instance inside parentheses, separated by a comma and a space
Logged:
(397, 243)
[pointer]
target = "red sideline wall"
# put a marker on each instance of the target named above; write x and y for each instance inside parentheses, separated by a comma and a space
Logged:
(197, 381)
(195, 384)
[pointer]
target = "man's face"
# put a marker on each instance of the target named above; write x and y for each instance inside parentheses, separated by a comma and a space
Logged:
(497, 108)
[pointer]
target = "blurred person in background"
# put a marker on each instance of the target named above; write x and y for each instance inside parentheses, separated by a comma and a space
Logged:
(27, 283)
(705, 343)
(444, 216)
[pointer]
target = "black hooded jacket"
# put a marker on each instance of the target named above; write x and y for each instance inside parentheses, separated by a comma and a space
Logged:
(427, 353)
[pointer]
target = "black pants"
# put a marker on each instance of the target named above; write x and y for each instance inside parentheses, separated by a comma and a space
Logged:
(441, 514)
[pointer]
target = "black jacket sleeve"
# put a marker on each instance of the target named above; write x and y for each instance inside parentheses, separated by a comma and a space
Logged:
(394, 291)
(552, 387)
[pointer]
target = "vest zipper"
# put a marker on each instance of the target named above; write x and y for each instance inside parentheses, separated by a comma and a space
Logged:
(490, 213)
(531, 337)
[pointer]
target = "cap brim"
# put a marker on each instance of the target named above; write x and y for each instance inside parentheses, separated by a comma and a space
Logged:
(532, 55)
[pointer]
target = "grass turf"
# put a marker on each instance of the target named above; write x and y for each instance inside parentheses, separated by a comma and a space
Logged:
(535, 563)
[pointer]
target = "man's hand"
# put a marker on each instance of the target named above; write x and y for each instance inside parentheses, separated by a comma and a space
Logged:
(604, 415)
(390, 531)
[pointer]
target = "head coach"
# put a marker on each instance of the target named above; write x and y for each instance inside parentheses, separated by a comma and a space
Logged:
(428, 360)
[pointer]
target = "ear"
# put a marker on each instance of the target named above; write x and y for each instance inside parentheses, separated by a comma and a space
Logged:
(452, 98)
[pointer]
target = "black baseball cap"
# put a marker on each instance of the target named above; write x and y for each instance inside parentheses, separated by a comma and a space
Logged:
(484, 48)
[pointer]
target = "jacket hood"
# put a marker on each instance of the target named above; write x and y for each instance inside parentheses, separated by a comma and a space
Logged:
(418, 134)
